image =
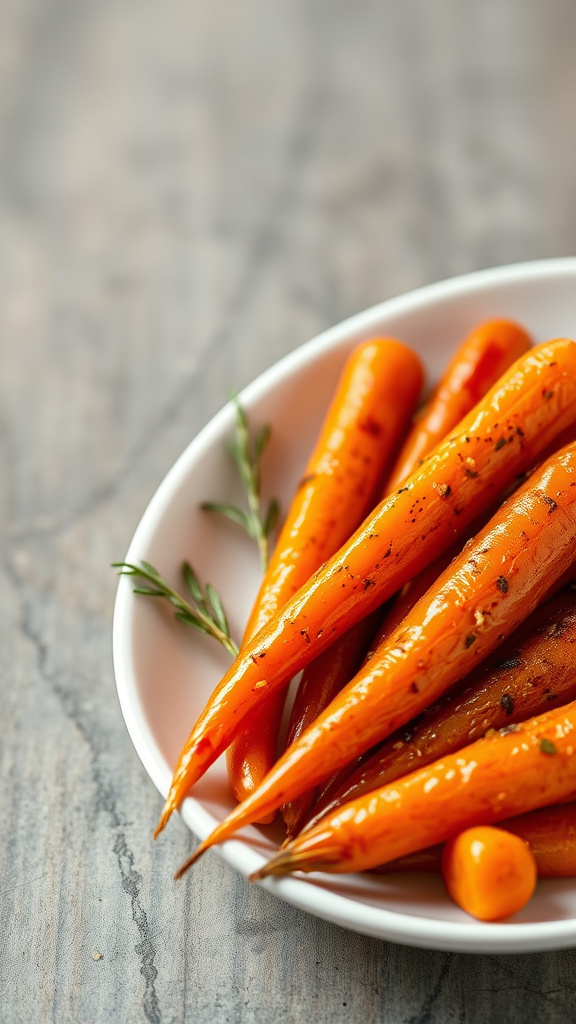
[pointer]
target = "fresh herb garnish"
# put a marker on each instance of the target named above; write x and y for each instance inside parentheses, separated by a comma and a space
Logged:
(246, 454)
(205, 614)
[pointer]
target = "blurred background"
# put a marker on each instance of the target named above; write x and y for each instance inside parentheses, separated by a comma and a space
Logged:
(188, 191)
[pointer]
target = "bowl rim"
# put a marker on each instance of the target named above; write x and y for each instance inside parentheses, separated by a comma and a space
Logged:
(413, 930)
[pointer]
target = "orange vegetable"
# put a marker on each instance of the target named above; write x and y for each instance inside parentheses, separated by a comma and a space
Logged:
(501, 437)
(321, 680)
(327, 675)
(549, 832)
(533, 671)
(485, 593)
(375, 397)
(516, 770)
(475, 367)
(488, 872)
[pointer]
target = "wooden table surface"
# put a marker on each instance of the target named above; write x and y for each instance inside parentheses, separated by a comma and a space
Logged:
(188, 191)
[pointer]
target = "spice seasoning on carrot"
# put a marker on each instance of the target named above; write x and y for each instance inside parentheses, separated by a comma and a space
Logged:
(497, 777)
(533, 671)
(333, 600)
(429, 651)
(327, 675)
(489, 872)
(375, 397)
(476, 365)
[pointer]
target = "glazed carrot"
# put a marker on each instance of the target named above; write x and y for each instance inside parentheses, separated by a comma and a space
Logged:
(476, 365)
(534, 401)
(375, 397)
(488, 872)
(321, 680)
(327, 675)
(508, 773)
(497, 580)
(549, 832)
(533, 671)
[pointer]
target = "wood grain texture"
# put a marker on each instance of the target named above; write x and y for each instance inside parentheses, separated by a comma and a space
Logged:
(187, 192)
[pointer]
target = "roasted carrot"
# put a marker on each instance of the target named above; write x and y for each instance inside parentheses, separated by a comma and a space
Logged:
(497, 580)
(476, 365)
(321, 680)
(534, 670)
(534, 401)
(511, 772)
(327, 675)
(375, 397)
(489, 872)
(549, 832)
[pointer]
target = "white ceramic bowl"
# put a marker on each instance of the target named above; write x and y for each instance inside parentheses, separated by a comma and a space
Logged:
(165, 673)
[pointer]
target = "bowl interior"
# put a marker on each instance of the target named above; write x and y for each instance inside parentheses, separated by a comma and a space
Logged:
(165, 673)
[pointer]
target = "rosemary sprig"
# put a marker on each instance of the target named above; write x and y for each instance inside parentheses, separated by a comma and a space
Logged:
(206, 614)
(246, 457)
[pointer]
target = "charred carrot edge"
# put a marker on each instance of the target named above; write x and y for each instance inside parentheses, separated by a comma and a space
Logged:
(480, 599)
(375, 397)
(550, 833)
(476, 365)
(488, 872)
(516, 770)
(532, 403)
(532, 672)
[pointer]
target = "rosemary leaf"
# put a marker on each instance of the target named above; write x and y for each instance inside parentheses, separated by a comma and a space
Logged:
(207, 615)
(246, 455)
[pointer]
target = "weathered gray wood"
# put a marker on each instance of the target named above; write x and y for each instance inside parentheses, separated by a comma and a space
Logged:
(188, 191)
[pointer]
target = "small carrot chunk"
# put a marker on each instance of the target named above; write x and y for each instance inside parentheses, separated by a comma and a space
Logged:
(488, 872)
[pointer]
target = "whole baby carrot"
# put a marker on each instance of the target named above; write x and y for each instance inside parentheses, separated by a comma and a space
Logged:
(375, 397)
(534, 670)
(508, 773)
(497, 580)
(475, 366)
(532, 403)
(549, 832)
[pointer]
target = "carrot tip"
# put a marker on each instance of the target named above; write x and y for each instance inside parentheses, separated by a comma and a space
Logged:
(164, 818)
(191, 860)
(282, 864)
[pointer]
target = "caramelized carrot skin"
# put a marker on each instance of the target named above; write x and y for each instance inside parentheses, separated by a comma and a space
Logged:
(550, 833)
(498, 440)
(477, 364)
(484, 594)
(489, 872)
(497, 777)
(297, 813)
(376, 395)
(535, 670)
